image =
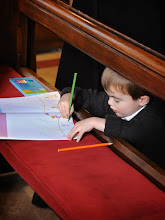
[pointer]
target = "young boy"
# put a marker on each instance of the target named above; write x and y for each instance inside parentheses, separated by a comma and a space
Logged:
(123, 110)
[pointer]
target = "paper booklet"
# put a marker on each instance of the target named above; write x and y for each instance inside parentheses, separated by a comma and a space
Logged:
(33, 118)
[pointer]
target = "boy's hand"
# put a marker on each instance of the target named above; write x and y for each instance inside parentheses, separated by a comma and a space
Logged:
(63, 105)
(86, 125)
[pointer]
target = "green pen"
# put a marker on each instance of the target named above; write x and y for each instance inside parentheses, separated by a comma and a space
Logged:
(72, 91)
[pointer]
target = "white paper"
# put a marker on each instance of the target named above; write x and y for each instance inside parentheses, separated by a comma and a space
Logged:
(46, 102)
(35, 118)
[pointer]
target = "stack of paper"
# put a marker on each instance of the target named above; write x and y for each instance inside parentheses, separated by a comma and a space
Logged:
(33, 118)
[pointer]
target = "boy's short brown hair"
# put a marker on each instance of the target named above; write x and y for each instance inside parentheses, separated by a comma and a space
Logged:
(110, 78)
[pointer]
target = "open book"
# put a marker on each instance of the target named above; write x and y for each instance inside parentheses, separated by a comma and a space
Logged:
(33, 118)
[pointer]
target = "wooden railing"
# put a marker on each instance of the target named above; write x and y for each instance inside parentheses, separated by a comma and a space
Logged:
(136, 62)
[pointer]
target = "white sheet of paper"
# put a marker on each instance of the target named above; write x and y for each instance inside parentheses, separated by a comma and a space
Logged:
(37, 127)
(46, 102)
(35, 118)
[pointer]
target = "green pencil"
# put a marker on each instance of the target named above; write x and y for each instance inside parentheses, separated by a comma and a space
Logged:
(72, 91)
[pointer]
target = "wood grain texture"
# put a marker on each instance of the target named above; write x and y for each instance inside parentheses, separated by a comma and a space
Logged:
(138, 63)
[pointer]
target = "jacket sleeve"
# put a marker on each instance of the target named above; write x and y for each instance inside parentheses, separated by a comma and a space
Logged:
(92, 100)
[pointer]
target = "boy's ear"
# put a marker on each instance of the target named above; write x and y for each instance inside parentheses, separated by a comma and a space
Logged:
(144, 100)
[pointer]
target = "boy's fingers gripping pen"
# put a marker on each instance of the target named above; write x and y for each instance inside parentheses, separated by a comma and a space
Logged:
(72, 91)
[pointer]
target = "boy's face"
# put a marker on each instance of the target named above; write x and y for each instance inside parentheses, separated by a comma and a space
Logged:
(122, 104)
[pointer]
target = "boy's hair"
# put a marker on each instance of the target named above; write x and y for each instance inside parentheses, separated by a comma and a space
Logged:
(110, 78)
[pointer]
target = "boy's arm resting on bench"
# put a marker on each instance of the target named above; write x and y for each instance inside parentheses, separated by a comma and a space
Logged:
(126, 151)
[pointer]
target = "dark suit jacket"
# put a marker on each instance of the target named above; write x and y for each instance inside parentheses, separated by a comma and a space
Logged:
(145, 131)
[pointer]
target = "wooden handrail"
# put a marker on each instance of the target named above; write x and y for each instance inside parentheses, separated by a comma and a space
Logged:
(131, 59)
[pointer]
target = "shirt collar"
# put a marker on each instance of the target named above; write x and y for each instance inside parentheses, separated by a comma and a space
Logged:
(128, 118)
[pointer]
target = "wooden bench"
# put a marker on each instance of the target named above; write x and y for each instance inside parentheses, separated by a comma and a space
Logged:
(104, 179)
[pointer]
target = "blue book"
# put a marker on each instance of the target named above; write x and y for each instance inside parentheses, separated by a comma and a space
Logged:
(28, 86)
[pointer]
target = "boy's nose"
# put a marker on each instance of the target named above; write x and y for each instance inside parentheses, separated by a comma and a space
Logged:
(110, 101)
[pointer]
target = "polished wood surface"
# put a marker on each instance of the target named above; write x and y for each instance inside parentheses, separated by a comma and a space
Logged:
(46, 40)
(137, 62)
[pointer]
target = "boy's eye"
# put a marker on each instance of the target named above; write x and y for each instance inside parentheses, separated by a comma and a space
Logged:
(117, 100)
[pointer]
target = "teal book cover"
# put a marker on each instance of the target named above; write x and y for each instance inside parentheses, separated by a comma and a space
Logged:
(28, 86)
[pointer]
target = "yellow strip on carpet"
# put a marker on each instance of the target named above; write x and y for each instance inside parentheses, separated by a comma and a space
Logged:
(47, 66)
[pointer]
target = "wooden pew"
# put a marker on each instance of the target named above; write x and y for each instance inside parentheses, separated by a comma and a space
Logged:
(133, 60)
(138, 63)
